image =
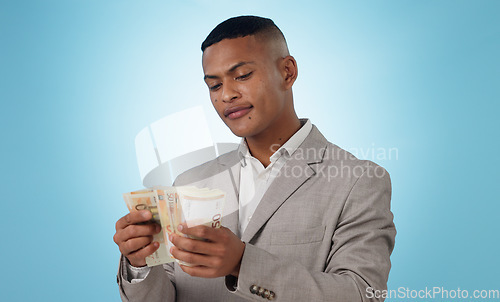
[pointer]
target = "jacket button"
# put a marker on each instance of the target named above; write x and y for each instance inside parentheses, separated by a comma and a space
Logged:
(266, 294)
(254, 289)
(272, 295)
(261, 292)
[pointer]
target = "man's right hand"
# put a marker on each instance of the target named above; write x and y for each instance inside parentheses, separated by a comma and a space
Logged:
(134, 239)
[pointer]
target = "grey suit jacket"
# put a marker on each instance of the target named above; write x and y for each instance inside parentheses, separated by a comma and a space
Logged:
(323, 231)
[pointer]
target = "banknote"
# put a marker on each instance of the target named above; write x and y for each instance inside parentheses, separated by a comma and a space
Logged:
(148, 200)
(171, 206)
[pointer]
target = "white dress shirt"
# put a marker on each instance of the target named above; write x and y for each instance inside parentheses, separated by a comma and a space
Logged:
(254, 182)
(255, 179)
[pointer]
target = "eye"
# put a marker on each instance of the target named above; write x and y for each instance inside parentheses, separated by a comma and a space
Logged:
(245, 76)
(214, 87)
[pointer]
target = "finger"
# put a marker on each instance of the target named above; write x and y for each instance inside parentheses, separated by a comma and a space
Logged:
(133, 218)
(135, 244)
(191, 258)
(137, 230)
(138, 258)
(192, 245)
(201, 231)
(199, 271)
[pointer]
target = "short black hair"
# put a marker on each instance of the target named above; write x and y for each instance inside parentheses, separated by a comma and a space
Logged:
(241, 26)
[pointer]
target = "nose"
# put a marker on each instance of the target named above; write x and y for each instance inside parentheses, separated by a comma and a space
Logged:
(229, 93)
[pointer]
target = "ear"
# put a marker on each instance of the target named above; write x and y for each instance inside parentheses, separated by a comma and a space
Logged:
(290, 71)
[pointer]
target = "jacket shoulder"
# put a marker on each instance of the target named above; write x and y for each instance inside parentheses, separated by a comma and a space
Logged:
(343, 161)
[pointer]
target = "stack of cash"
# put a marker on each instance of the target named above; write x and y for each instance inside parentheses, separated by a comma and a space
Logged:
(172, 206)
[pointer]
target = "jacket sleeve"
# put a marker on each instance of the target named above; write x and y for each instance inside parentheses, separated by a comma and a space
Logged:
(358, 261)
(157, 286)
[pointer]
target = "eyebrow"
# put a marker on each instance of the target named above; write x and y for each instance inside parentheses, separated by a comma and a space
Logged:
(232, 69)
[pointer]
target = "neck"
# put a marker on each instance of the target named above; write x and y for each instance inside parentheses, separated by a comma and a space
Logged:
(262, 146)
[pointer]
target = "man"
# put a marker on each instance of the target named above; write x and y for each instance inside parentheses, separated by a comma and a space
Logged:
(304, 219)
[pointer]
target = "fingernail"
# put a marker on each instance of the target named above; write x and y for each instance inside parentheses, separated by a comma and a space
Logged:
(180, 227)
(170, 237)
(156, 244)
(158, 228)
(145, 214)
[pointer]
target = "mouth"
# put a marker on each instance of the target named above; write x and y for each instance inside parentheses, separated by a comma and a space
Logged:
(237, 111)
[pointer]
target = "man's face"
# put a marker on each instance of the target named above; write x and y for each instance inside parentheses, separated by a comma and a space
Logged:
(246, 86)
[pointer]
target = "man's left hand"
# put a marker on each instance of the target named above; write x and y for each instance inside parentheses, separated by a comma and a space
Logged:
(220, 255)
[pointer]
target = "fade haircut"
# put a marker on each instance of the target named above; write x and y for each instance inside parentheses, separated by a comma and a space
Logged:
(242, 26)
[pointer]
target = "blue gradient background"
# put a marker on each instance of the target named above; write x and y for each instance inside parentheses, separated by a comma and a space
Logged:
(79, 79)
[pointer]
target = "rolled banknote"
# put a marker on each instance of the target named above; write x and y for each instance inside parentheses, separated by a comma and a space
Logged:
(191, 206)
(205, 207)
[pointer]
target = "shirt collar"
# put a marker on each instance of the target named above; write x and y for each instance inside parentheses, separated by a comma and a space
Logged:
(243, 152)
(289, 147)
